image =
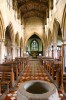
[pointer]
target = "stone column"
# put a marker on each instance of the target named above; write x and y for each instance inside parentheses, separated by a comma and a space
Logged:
(21, 52)
(55, 50)
(18, 51)
(50, 51)
(2, 51)
(43, 51)
(13, 51)
(46, 53)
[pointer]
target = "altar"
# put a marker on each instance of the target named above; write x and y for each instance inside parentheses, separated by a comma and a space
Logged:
(34, 54)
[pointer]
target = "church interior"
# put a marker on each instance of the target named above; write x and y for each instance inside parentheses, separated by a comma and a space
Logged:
(32, 48)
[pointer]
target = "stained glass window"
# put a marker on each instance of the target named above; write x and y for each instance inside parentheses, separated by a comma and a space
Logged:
(34, 45)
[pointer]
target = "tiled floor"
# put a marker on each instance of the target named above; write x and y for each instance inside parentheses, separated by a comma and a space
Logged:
(34, 71)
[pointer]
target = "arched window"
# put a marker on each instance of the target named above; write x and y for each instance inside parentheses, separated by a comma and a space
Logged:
(34, 45)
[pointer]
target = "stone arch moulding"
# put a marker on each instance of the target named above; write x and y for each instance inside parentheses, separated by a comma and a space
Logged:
(31, 35)
(64, 22)
(56, 26)
(21, 43)
(2, 27)
(11, 31)
(17, 41)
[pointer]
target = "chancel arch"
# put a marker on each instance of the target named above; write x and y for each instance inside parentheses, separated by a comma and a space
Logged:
(27, 38)
(34, 46)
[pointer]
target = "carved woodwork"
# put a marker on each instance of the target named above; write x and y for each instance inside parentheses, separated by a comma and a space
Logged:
(32, 8)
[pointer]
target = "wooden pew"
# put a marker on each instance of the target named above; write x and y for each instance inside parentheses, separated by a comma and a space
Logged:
(64, 82)
(53, 67)
(3, 82)
(57, 65)
(19, 65)
(7, 74)
(14, 65)
(1, 75)
(24, 61)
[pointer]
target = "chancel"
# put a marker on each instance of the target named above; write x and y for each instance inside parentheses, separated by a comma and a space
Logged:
(32, 49)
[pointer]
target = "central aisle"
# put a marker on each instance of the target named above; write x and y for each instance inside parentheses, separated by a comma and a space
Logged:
(34, 71)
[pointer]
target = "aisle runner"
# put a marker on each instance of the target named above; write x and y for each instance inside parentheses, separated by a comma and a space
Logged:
(34, 71)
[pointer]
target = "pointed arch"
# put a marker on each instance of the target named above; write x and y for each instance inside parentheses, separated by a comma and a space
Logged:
(2, 27)
(33, 34)
(55, 26)
(11, 31)
(17, 39)
(56, 30)
(9, 40)
(9, 34)
(64, 22)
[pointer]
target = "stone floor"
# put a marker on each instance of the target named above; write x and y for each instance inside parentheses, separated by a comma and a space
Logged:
(34, 71)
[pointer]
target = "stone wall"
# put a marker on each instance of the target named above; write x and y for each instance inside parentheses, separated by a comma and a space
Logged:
(33, 25)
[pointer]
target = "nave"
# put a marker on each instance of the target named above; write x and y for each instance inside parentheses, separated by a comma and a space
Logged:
(32, 28)
(33, 71)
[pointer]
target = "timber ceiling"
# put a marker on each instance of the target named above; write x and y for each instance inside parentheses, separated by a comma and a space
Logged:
(32, 8)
